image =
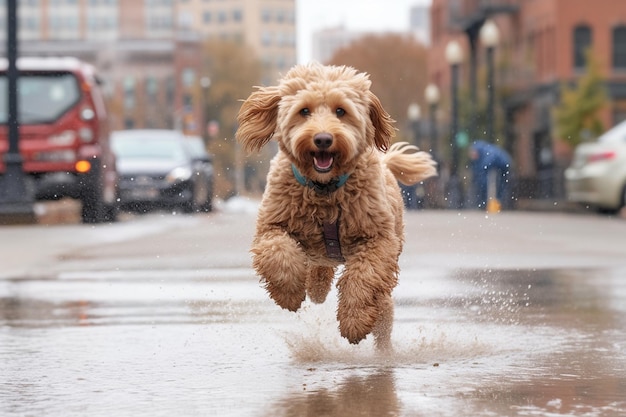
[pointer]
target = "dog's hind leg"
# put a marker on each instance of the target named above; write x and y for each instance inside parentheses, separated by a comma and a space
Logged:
(383, 326)
(319, 283)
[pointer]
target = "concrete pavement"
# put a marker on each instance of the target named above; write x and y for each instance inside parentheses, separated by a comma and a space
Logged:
(434, 238)
(513, 314)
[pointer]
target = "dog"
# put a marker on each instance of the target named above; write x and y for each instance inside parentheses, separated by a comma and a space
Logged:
(332, 195)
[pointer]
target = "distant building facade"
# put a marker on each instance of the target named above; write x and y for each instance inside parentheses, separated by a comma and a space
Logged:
(419, 23)
(328, 41)
(148, 51)
(267, 26)
(542, 45)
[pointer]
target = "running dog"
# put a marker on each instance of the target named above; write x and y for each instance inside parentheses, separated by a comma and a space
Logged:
(332, 195)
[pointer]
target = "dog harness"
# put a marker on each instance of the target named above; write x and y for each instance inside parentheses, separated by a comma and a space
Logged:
(331, 230)
(331, 240)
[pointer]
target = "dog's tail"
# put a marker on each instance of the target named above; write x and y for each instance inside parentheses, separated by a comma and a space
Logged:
(408, 164)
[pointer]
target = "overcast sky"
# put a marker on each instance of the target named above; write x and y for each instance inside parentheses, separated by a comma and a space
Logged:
(359, 15)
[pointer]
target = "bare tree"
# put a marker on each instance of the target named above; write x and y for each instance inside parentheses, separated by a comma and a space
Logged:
(233, 70)
(397, 65)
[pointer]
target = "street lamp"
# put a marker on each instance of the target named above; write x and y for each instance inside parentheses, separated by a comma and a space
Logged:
(409, 193)
(16, 199)
(205, 83)
(489, 36)
(454, 56)
(431, 94)
(414, 113)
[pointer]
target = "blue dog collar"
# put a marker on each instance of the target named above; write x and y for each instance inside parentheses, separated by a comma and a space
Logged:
(318, 187)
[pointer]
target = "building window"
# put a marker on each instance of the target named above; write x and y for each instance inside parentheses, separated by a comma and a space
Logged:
(280, 16)
(188, 77)
(266, 15)
(281, 62)
(129, 93)
(582, 42)
(619, 47)
(266, 38)
(152, 86)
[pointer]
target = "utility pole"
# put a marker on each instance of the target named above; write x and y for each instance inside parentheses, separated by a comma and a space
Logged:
(16, 200)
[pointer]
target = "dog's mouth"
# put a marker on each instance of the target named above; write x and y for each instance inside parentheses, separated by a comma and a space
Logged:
(323, 161)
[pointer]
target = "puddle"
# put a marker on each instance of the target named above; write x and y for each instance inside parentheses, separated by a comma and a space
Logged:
(467, 342)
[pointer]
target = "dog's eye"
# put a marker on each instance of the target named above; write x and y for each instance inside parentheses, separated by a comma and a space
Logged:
(340, 112)
(305, 112)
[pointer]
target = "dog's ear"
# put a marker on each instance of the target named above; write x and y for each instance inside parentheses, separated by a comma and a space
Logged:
(257, 118)
(383, 124)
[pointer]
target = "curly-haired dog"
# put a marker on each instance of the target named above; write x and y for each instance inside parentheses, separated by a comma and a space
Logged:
(332, 197)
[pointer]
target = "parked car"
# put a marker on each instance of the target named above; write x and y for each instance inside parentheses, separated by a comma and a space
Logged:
(157, 169)
(64, 134)
(597, 175)
(202, 166)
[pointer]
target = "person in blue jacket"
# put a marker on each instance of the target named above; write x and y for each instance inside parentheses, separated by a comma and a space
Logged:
(485, 158)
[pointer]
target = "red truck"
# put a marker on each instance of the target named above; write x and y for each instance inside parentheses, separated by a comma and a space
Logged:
(63, 134)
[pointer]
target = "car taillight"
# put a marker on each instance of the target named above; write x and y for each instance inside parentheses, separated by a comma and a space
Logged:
(601, 156)
(82, 166)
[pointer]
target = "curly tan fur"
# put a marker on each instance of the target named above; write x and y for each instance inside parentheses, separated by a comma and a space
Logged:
(288, 251)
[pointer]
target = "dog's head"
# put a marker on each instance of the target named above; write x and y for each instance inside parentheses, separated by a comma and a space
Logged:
(323, 118)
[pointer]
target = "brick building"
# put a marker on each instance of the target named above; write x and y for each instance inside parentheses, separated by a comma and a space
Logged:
(148, 51)
(542, 45)
(267, 26)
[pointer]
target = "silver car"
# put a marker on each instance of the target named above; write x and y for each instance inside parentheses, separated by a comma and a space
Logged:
(161, 169)
(597, 175)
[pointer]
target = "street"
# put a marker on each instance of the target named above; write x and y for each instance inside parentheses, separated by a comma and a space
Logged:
(506, 314)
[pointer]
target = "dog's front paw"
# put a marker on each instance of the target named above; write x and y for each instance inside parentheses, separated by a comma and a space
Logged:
(356, 323)
(289, 300)
(281, 264)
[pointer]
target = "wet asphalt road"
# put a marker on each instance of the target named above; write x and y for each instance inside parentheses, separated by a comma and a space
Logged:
(512, 314)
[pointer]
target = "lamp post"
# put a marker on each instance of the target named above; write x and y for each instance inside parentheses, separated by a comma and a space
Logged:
(205, 83)
(409, 192)
(431, 94)
(413, 113)
(16, 199)
(489, 36)
(433, 185)
(454, 56)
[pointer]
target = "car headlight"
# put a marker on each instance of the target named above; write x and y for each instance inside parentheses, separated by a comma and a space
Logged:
(178, 175)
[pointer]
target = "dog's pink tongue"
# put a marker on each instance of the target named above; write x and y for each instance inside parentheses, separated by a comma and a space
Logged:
(323, 160)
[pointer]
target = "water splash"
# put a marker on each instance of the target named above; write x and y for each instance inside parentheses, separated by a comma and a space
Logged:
(318, 340)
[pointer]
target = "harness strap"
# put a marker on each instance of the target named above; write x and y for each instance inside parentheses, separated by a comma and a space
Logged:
(331, 230)
(331, 240)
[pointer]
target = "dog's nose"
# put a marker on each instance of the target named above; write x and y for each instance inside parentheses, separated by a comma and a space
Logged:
(323, 140)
